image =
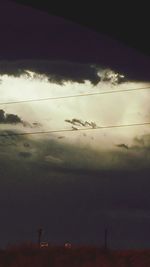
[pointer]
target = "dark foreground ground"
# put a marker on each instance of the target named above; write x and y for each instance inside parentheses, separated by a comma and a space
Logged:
(30, 256)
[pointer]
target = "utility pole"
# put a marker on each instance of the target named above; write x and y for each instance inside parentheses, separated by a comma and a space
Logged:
(40, 230)
(106, 239)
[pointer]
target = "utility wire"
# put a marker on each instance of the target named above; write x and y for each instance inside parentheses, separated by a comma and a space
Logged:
(76, 130)
(73, 96)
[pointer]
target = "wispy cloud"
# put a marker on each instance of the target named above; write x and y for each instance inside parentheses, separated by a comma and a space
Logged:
(78, 122)
(122, 146)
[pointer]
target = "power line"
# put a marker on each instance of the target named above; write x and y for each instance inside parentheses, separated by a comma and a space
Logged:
(76, 130)
(73, 96)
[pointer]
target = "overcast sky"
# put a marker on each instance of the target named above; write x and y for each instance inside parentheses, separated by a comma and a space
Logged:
(88, 180)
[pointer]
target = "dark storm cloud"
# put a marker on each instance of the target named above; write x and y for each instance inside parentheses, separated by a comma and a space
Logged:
(76, 190)
(42, 36)
(95, 188)
(49, 161)
(9, 134)
(47, 154)
(7, 138)
(9, 118)
(12, 119)
(10, 138)
(57, 72)
(130, 214)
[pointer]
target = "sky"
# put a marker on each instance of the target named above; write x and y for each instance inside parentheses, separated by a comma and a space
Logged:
(63, 166)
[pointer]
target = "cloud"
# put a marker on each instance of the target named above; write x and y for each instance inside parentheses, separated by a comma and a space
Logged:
(108, 75)
(63, 71)
(136, 156)
(25, 154)
(123, 146)
(74, 128)
(36, 124)
(12, 119)
(7, 138)
(57, 72)
(53, 160)
(45, 154)
(26, 144)
(9, 118)
(61, 137)
(78, 122)
(132, 214)
(142, 141)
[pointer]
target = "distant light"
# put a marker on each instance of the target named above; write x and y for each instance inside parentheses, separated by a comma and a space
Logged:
(44, 245)
(68, 245)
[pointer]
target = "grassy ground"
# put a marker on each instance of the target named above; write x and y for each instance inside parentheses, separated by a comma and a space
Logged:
(32, 256)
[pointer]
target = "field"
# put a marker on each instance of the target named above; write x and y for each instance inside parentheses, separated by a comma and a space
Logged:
(30, 256)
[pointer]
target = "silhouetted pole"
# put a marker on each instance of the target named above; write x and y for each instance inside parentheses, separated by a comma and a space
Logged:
(106, 239)
(39, 235)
